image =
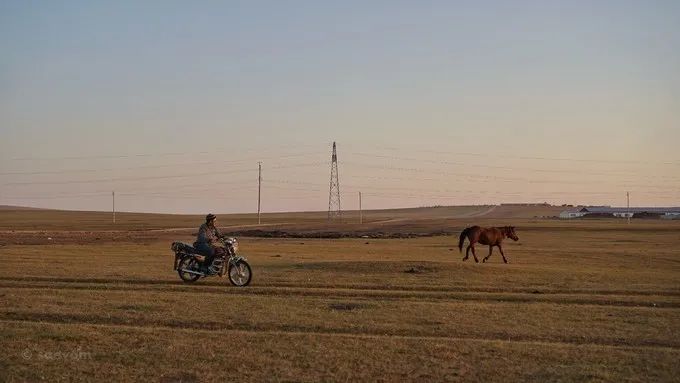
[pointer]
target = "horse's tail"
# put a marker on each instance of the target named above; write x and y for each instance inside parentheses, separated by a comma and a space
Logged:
(463, 234)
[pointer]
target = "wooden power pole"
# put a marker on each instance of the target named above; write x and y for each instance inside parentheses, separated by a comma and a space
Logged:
(113, 205)
(259, 190)
(628, 204)
(361, 213)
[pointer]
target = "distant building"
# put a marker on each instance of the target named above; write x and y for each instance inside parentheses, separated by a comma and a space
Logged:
(527, 204)
(572, 213)
(671, 215)
(622, 212)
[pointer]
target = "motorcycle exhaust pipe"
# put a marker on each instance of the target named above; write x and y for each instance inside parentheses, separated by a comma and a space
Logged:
(192, 272)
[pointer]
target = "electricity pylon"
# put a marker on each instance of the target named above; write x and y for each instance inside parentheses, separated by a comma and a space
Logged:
(334, 210)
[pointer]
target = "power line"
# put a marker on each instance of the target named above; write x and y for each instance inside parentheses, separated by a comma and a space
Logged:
(661, 190)
(409, 194)
(177, 164)
(540, 158)
(292, 189)
(474, 176)
(164, 154)
(145, 178)
(468, 175)
(120, 179)
(357, 187)
(508, 168)
(75, 171)
(376, 191)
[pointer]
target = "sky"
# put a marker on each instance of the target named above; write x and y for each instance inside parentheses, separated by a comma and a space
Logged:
(173, 103)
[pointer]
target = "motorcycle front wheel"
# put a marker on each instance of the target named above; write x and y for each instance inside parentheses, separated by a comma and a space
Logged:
(188, 263)
(240, 273)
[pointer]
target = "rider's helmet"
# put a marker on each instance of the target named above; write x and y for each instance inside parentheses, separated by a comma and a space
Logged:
(210, 217)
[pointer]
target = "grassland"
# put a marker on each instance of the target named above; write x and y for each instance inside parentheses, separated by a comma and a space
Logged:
(594, 300)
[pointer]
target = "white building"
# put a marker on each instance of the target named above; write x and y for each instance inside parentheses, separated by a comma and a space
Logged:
(622, 212)
(626, 214)
(572, 213)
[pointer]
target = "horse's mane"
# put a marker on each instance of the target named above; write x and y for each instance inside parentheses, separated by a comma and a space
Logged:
(505, 229)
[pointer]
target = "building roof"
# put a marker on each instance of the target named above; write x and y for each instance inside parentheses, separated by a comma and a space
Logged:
(571, 210)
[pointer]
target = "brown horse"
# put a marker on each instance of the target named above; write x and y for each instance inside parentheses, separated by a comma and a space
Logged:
(492, 236)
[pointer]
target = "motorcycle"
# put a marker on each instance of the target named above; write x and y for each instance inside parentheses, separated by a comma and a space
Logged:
(190, 265)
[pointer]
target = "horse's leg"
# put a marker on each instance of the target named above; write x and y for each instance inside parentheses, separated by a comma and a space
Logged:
(502, 254)
(487, 257)
(474, 255)
(467, 253)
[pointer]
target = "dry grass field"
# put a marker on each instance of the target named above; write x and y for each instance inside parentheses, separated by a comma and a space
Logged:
(585, 300)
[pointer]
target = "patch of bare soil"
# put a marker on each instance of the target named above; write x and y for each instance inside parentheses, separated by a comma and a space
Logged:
(347, 306)
(420, 269)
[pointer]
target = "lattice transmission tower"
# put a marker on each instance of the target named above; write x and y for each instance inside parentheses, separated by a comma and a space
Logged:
(334, 210)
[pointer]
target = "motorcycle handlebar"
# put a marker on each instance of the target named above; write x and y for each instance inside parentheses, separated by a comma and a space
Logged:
(229, 240)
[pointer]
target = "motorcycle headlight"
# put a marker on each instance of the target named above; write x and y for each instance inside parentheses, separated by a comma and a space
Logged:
(234, 244)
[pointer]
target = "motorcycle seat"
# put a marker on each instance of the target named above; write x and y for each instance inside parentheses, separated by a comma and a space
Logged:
(181, 247)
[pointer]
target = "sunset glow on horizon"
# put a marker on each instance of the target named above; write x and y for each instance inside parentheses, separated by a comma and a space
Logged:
(172, 105)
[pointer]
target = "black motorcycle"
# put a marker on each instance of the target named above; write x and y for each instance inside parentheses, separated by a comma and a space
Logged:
(190, 265)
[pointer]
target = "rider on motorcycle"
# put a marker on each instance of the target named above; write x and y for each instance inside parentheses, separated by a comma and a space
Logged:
(206, 242)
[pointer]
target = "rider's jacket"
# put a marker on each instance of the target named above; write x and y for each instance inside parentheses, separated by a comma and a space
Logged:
(208, 234)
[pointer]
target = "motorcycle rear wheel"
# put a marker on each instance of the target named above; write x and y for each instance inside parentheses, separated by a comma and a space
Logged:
(240, 274)
(188, 263)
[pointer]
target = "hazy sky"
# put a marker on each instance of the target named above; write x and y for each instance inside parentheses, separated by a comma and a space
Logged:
(172, 104)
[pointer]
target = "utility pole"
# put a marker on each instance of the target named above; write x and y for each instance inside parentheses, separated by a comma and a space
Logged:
(361, 213)
(113, 205)
(628, 203)
(259, 189)
(334, 210)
